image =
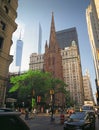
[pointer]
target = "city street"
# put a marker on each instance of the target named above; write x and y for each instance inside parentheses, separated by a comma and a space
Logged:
(43, 122)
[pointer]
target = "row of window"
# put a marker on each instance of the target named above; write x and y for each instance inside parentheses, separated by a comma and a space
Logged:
(36, 58)
(69, 53)
(36, 67)
(3, 25)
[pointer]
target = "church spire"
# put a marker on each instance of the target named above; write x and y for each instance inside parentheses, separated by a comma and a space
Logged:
(52, 39)
(46, 46)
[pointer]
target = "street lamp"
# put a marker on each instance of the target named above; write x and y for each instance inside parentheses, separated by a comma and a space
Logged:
(52, 104)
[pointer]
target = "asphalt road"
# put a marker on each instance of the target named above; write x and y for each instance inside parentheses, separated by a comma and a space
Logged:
(43, 122)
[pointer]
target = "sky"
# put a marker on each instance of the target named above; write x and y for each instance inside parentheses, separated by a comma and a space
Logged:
(67, 14)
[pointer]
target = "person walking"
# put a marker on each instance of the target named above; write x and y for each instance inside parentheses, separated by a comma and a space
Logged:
(26, 114)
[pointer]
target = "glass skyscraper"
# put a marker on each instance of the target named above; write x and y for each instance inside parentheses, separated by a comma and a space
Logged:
(66, 36)
(19, 48)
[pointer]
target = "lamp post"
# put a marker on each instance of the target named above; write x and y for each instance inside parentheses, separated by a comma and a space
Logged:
(52, 104)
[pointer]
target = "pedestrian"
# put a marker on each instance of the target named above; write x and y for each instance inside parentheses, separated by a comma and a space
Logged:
(34, 112)
(26, 114)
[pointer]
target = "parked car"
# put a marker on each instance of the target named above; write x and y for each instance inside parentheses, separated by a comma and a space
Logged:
(12, 121)
(87, 108)
(80, 121)
(6, 110)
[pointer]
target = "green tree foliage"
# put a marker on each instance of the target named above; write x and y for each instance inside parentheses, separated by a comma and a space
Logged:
(35, 83)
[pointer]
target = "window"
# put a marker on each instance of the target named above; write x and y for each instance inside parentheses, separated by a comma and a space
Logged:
(6, 9)
(3, 25)
(1, 42)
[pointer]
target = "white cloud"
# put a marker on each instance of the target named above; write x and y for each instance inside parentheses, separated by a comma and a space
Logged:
(20, 30)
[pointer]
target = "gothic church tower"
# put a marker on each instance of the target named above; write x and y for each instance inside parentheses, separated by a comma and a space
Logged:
(53, 61)
(52, 56)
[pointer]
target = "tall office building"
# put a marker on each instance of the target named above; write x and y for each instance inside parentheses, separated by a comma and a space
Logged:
(92, 18)
(88, 95)
(8, 15)
(72, 73)
(19, 48)
(40, 40)
(66, 36)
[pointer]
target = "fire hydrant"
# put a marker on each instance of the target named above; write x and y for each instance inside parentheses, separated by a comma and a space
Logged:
(62, 118)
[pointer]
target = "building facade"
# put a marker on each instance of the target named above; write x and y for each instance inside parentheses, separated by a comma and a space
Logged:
(92, 18)
(88, 95)
(72, 73)
(8, 15)
(36, 62)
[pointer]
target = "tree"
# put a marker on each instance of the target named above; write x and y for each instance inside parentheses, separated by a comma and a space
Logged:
(35, 83)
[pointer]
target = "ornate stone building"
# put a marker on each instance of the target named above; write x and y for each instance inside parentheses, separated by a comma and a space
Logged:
(8, 15)
(72, 73)
(36, 62)
(88, 95)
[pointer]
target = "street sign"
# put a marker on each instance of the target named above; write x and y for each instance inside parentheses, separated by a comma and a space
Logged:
(33, 102)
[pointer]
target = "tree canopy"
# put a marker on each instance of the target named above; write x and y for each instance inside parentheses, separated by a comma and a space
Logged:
(35, 83)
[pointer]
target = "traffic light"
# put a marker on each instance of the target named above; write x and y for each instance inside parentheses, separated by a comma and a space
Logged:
(38, 98)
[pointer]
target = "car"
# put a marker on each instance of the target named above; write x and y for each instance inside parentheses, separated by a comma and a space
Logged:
(12, 121)
(6, 110)
(82, 120)
(87, 108)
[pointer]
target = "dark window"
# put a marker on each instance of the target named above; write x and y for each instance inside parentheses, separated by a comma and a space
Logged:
(1, 42)
(3, 25)
(6, 9)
